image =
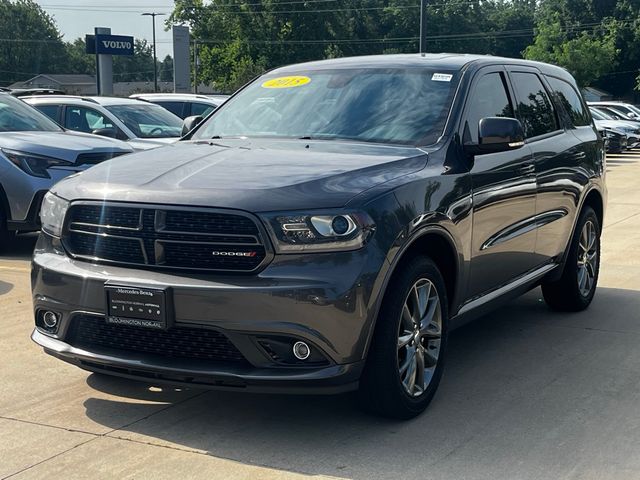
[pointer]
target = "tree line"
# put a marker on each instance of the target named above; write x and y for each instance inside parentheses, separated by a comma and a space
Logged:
(596, 40)
(30, 44)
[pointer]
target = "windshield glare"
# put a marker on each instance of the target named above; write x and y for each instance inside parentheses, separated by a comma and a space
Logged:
(148, 121)
(404, 106)
(17, 116)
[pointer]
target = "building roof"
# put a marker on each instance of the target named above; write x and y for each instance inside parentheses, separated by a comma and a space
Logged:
(57, 79)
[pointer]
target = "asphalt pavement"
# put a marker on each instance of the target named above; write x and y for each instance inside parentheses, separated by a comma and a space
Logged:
(527, 394)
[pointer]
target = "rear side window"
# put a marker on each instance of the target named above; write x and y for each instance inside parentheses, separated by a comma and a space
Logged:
(50, 111)
(202, 109)
(488, 99)
(534, 106)
(173, 107)
(567, 96)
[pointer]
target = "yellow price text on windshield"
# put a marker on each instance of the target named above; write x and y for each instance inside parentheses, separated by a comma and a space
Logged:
(286, 82)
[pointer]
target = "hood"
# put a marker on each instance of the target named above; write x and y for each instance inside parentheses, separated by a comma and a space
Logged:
(63, 145)
(141, 144)
(247, 175)
(616, 125)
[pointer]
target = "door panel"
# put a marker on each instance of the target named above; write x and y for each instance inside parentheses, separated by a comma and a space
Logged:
(504, 198)
(504, 193)
(560, 171)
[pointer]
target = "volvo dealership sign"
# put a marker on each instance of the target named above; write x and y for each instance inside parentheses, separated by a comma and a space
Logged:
(109, 44)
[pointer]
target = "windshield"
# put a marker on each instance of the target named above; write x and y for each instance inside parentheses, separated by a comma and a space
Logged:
(404, 106)
(17, 116)
(600, 115)
(148, 120)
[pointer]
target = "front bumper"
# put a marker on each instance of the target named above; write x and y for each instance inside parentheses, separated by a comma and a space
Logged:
(325, 300)
(332, 379)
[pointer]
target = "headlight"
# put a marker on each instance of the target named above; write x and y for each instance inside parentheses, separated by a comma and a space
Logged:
(322, 232)
(52, 214)
(33, 164)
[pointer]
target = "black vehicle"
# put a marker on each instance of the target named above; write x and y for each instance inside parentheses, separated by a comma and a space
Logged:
(617, 141)
(326, 228)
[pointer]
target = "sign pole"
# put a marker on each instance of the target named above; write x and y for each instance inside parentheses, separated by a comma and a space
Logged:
(105, 66)
(195, 65)
(423, 26)
(95, 49)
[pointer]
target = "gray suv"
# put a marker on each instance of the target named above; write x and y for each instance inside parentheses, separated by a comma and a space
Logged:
(34, 154)
(326, 228)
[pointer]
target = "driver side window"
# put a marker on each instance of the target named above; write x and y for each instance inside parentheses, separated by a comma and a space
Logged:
(86, 120)
(489, 98)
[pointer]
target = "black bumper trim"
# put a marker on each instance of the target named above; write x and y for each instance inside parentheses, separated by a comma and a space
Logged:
(327, 380)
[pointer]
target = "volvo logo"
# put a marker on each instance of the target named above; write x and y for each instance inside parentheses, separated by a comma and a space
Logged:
(233, 254)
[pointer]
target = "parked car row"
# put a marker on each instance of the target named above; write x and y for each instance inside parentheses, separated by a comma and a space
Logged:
(66, 134)
(618, 123)
(35, 153)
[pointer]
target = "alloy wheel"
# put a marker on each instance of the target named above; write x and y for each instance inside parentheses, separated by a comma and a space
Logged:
(419, 337)
(587, 258)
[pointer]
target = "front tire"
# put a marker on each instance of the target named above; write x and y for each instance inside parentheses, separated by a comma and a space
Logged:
(6, 236)
(406, 357)
(576, 287)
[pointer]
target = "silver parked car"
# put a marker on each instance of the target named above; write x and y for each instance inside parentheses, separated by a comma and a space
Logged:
(142, 124)
(35, 153)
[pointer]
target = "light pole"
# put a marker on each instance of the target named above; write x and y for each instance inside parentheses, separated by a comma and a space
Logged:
(423, 26)
(153, 16)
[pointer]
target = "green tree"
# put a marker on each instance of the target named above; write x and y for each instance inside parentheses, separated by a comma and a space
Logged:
(586, 55)
(165, 71)
(136, 67)
(30, 42)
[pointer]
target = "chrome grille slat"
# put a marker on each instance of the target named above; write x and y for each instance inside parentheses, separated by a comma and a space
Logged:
(163, 237)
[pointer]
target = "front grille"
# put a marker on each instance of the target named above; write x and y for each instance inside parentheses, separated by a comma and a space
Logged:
(177, 342)
(164, 238)
(95, 158)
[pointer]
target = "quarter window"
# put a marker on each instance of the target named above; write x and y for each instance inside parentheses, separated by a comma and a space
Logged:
(567, 96)
(174, 107)
(534, 106)
(488, 99)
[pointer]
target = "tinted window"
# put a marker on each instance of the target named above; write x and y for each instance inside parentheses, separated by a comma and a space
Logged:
(17, 116)
(82, 119)
(147, 120)
(567, 96)
(173, 107)
(202, 109)
(534, 106)
(390, 105)
(50, 111)
(488, 99)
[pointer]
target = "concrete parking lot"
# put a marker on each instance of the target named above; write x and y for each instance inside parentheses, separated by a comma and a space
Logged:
(528, 394)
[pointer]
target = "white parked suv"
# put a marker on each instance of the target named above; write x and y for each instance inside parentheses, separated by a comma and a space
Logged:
(184, 104)
(142, 124)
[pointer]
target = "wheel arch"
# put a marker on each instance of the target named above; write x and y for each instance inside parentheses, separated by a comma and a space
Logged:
(435, 242)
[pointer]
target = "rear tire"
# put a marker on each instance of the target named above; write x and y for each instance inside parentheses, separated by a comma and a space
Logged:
(406, 357)
(576, 287)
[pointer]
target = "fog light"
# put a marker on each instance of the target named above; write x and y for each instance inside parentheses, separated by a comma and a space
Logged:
(301, 350)
(50, 319)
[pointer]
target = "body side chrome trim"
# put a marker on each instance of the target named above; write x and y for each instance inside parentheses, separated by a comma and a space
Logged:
(518, 282)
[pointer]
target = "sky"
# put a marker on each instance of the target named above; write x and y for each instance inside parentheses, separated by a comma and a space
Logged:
(76, 18)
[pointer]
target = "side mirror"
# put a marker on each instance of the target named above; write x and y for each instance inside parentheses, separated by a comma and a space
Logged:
(497, 134)
(105, 132)
(190, 123)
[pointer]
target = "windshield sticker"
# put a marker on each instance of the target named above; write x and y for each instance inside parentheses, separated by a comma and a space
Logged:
(286, 82)
(441, 77)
